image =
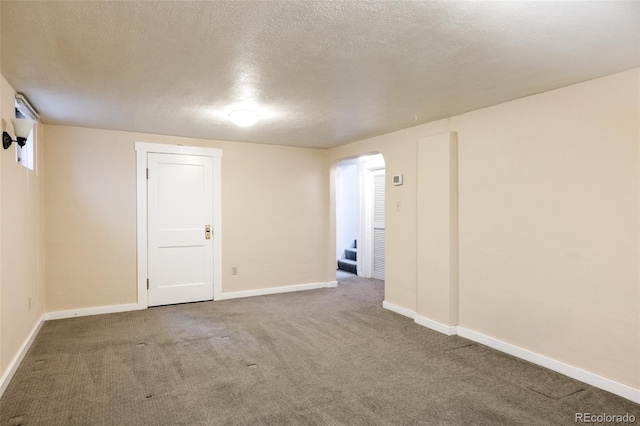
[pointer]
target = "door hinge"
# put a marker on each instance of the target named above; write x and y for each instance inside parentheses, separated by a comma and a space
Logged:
(147, 283)
(147, 173)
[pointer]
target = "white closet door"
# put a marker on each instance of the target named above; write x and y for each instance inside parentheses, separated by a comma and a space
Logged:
(180, 207)
(378, 224)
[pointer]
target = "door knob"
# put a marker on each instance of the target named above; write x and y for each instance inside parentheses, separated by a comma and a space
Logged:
(207, 232)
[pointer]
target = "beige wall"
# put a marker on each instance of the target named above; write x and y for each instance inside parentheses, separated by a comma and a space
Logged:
(548, 222)
(549, 193)
(437, 229)
(274, 221)
(21, 260)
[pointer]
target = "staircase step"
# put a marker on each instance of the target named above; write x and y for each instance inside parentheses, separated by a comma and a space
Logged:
(348, 265)
(351, 253)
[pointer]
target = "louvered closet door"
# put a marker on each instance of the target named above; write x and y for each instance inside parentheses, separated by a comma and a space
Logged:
(378, 224)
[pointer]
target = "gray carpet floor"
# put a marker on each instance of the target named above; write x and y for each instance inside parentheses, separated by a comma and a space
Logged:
(319, 357)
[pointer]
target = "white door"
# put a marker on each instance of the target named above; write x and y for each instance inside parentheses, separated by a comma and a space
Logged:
(180, 208)
(378, 224)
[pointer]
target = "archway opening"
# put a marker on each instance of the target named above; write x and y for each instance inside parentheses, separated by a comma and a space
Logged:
(360, 217)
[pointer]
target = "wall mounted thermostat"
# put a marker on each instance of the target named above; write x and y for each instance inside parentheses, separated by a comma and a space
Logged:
(397, 180)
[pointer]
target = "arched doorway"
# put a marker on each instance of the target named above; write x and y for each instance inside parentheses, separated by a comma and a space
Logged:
(360, 217)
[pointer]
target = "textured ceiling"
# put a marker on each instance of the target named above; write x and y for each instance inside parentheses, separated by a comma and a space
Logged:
(321, 74)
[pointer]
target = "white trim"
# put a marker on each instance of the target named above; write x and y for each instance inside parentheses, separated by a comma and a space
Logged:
(592, 379)
(367, 165)
(449, 330)
(276, 290)
(398, 309)
(365, 200)
(584, 376)
(142, 149)
(162, 148)
(141, 226)
(15, 363)
(25, 105)
(625, 391)
(217, 226)
(98, 310)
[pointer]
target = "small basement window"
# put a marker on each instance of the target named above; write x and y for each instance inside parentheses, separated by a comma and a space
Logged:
(26, 154)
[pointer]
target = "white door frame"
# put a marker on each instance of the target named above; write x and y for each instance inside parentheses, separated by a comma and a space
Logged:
(365, 222)
(367, 166)
(142, 149)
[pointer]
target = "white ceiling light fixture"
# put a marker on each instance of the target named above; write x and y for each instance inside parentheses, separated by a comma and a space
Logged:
(243, 117)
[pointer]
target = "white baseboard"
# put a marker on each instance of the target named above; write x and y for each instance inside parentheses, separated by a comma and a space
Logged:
(92, 311)
(15, 363)
(625, 391)
(275, 290)
(584, 376)
(399, 309)
(449, 330)
(592, 379)
(420, 320)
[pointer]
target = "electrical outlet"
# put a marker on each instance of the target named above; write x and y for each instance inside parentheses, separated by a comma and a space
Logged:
(29, 303)
(234, 270)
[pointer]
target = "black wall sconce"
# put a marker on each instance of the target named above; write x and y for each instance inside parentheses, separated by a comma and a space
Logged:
(22, 127)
